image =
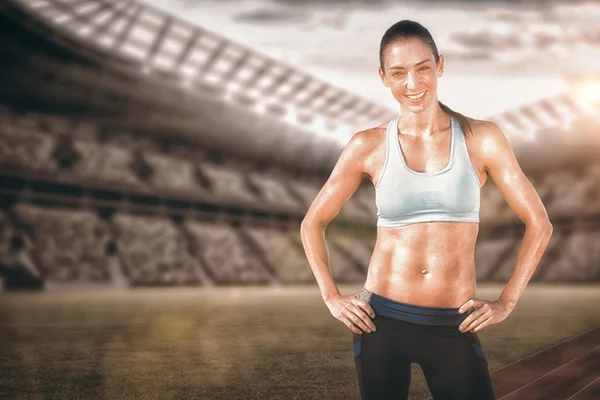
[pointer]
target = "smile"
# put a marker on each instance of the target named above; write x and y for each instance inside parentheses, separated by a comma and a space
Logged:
(416, 96)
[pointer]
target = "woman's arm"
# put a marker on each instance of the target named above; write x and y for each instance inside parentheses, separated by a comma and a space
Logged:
(501, 164)
(343, 182)
(522, 198)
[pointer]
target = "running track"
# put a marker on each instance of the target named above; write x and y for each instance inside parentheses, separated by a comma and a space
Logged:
(568, 370)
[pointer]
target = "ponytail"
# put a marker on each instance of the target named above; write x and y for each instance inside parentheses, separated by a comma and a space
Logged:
(462, 120)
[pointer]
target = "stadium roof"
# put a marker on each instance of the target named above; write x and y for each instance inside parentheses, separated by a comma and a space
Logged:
(181, 77)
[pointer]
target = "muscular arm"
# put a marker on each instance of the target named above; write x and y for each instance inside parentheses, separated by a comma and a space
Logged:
(501, 164)
(341, 185)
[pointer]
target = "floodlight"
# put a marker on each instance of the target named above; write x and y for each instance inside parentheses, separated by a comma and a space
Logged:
(591, 92)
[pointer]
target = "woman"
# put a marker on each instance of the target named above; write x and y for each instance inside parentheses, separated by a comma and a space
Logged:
(418, 303)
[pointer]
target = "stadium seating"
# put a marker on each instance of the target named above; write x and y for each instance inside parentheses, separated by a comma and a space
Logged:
(26, 148)
(343, 266)
(172, 175)
(69, 245)
(284, 256)
(571, 257)
(306, 190)
(366, 196)
(228, 257)
(493, 254)
(592, 203)
(506, 262)
(273, 190)
(360, 249)
(228, 185)
(105, 164)
(70, 149)
(13, 244)
(154, 251)
(493, 209)
(353, 209)
(571, 193)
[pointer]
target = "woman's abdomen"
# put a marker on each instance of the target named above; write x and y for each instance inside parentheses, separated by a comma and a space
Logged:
(429, 264)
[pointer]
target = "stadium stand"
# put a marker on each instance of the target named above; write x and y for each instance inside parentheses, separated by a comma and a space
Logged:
(493, 208)
(273, 189)
(106, 164)
(343, 266)
(572, 257)
(490, 254)
(26, 149)
(282, 254)
(306, 190)
(15, 247)
(228, 185)
(359, 248)
(503, 266)
(154, 251)
(18, 269)
(174, 175)
(227, 256)
(565, 191)
(366, 196)
(70, 245)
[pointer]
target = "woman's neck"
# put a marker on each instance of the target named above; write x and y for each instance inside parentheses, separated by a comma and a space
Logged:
(424, 123)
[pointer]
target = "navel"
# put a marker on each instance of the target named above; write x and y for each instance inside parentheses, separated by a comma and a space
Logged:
(424, 272)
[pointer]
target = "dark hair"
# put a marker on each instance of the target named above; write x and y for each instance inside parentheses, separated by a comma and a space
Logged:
(407, 29)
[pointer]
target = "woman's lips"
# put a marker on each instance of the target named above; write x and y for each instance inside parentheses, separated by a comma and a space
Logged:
(416, 97)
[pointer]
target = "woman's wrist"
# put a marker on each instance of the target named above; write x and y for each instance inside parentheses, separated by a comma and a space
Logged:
(330, 296)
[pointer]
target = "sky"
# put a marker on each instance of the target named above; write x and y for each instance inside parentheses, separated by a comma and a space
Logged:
(499, 55)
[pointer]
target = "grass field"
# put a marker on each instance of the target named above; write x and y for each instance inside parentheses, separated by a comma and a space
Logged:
(229, 343)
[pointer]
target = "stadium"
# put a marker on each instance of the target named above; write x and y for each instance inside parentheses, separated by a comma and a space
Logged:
(153, 178)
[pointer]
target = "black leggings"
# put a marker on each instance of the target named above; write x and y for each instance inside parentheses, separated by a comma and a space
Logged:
(452, 361)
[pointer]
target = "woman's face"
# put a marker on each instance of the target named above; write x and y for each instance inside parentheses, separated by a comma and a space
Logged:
(411, 74)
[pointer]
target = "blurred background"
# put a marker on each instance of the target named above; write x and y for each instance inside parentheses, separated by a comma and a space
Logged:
(180, 142)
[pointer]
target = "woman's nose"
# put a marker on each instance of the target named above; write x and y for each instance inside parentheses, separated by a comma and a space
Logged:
(411, 81)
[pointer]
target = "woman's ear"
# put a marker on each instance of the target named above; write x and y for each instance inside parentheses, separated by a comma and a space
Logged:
(383, 77)
(440, 67)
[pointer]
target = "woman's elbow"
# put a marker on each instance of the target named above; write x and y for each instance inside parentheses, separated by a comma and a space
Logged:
(543, 224)
(310, 222)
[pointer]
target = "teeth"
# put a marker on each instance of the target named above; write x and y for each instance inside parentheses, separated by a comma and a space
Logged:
(415, 97)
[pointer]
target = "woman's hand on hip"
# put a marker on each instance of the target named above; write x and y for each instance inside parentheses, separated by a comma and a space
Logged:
(484, 313)
(355, 313)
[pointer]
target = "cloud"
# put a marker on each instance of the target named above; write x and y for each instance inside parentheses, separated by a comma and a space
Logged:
(517, 16)
(473, 55)
(485, 38)
(353, 4)
(271, 15)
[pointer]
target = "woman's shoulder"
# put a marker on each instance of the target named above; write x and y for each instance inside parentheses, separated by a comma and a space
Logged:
(369, 138)
(487, 136)
(485, 130)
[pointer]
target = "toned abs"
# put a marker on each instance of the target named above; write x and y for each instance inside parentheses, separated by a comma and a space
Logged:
(427, 264)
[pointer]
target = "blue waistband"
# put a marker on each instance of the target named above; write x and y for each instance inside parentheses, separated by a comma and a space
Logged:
(387, 307)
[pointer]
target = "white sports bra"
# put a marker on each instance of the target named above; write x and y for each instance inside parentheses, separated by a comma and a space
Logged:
(404, 196)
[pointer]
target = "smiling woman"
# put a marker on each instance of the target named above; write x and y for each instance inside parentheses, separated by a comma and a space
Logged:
(418, 303)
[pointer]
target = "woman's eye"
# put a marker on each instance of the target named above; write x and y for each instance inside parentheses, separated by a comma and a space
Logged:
(424, 69)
